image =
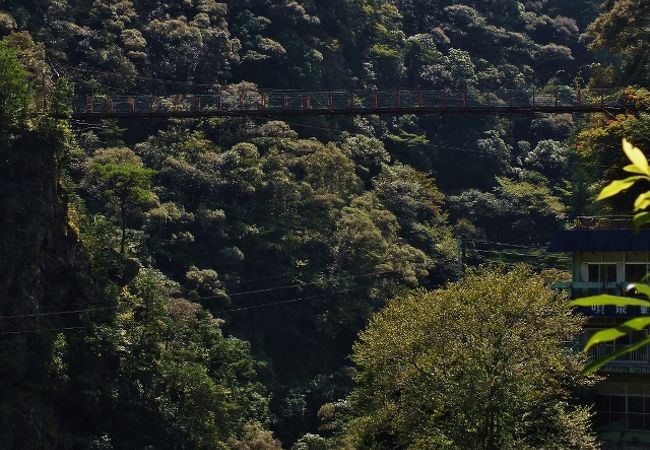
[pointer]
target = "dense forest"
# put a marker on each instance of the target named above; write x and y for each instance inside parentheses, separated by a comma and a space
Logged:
(247, 283)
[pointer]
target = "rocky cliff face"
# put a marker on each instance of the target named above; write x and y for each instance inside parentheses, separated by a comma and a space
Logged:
(42, 270)
(42, 266)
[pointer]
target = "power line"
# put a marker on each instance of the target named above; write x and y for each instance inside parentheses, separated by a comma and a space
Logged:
(275, 277)
(237, 294)
(56, 313)
(540, 258)
(42, 330)
(504, 253)
(259, 291)
(297, 124)
(140, 77)
(435, 146)
(505, 244)
(48, 308)
(284, 275)
(290, 286)
(244, 308)
(576, 163)
(512, 264)
(295, 300)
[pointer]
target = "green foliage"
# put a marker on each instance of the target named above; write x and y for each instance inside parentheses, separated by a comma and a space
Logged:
(611, 334)
(502, 334)
(313, 225)
(136, 366)
(639, 165)
(128, 182)
(551, 158)
(311, 442)
(15, 92)
(255, 437)
(204, 283)
(528, 208)
(337, 222)
(166, 369)
(622, 30)
(119, 176)
(602, 134)
(62, 95)
(600, 300)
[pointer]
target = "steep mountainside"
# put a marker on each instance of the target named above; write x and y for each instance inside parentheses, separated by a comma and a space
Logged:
(292, 233)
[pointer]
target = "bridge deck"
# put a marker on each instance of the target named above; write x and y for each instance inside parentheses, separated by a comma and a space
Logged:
(269, 113)
(295, 103)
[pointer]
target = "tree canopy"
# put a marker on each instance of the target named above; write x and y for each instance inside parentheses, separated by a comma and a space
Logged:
(480, 364)
(206, 279)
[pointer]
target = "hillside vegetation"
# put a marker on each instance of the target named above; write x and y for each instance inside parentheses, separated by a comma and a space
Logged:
(200, 284)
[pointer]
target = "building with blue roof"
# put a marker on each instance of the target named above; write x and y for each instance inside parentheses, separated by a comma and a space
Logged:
(606, 258)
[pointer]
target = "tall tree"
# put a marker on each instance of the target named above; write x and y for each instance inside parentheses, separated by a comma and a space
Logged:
(123, 180)
(15, 93)
(481, 364)
(623, 30)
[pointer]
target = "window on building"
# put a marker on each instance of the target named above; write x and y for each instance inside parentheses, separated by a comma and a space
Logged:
(634, 358)
(634, 272)
(639, 355)
(623, 406)
(602, 273)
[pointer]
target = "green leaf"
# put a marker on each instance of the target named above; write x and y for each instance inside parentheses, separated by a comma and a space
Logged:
(605, 299)
(642, 201)
(617, 186)
(634, 169)
(640, 219)
(636, 156)
(600, 362)
(640, 287)
(611, 334)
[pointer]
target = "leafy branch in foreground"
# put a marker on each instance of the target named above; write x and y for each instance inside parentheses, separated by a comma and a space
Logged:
(640, 167)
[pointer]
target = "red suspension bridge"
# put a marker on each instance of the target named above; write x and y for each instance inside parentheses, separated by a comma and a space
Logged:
(268, 104)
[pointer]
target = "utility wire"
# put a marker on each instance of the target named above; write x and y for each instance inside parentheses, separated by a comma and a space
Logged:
(289, 274)
(243, 308)
(275, 277)
(504, 253)
(41, 330)
(56, 313)
(295, 300)
(555, 260)
(505, 244)
(512, 264)
(297, 124)
(434, 146)
(237, 294)
(115, 75)
(575, 163)
(259, 291)
(290, 286)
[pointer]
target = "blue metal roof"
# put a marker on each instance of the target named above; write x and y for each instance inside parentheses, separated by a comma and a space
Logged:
(599, 240)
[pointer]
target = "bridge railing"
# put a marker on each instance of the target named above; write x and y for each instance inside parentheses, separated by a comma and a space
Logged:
(344, 100)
